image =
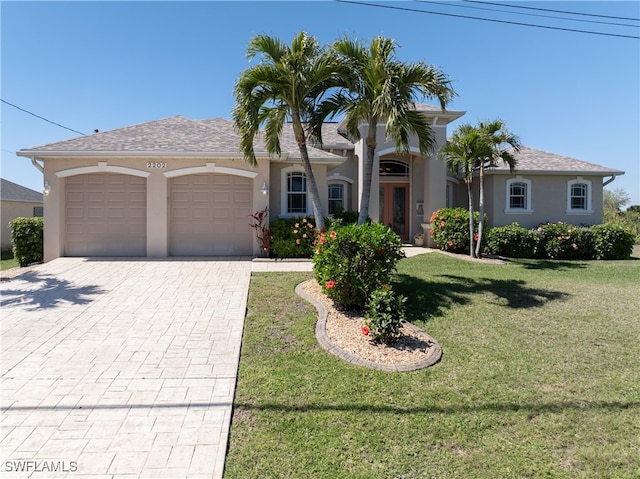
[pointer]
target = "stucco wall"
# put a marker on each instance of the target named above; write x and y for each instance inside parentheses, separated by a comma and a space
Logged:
(11, 210)
(548, 200)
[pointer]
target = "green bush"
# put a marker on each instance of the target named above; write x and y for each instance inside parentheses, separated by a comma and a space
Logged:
(512, 241)
(385, 315)
(26, 236)
(351, 262)
(450, 229)
(612, 241)
(291, 241)
(564, 241)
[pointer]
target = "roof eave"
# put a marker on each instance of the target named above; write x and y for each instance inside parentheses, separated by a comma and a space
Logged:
(556, 172)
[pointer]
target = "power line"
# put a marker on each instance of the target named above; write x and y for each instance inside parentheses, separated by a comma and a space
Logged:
(366, 4)
(555, 17)
(554, 11)
(41, 117)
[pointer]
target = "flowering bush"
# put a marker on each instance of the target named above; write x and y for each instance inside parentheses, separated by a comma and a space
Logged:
(355, 260)
(450, 229)
(291, 241)
(564, 241)
(385, 315)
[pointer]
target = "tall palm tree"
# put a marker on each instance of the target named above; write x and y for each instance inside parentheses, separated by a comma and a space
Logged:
(500, 145)
(462, 152)
(379, 88)
(286, 85)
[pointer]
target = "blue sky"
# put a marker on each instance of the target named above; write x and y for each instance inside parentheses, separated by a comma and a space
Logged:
(105, 65)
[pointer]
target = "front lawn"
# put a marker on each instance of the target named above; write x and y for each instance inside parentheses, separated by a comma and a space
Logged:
(540, 377)
(7, 261)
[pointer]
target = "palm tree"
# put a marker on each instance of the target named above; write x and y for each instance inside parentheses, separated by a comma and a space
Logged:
(500, 144)
(380, 88)
(462, 152)
(286, 85)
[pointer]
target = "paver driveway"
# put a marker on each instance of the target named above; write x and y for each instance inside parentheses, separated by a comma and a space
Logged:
(120, 368)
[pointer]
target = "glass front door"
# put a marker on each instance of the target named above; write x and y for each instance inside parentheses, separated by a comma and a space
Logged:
(394, 202)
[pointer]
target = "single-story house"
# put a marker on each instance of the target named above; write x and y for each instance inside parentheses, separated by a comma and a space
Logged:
(176, 187)
(16, 201)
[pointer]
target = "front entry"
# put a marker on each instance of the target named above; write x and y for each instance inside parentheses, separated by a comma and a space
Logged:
(394, 203)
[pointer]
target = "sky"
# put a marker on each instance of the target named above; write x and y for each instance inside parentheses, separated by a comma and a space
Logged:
(105, 65)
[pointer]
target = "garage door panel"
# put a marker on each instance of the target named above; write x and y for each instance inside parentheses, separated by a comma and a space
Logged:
(105, 215)
(204, 221)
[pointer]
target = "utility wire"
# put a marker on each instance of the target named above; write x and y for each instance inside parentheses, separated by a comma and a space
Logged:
(41, 117)
(554, 11)
(555, 17)
(406, 9)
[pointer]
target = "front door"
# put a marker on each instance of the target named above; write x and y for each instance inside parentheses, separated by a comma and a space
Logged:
(394, 204)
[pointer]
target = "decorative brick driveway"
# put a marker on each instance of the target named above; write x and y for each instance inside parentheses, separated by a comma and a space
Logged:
(120, 368)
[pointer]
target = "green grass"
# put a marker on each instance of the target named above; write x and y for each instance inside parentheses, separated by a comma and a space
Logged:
(7, 261)
(540, 378)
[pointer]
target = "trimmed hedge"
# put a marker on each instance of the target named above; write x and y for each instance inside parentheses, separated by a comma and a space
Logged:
(562, 241)
(512, 241)
(26, 236)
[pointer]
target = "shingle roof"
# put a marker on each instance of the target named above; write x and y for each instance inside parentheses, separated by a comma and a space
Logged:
(532, 160)
(10, 191)
(176, 134)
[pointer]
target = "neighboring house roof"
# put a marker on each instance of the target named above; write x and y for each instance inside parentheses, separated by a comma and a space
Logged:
(535, 161)
(10, 191)
(174, 136)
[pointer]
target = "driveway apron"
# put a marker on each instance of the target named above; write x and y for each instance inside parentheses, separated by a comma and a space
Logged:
(120, 368)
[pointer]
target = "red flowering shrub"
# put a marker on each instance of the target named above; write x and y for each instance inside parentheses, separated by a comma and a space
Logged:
(450, 229)
(385, 315)
(358, 259)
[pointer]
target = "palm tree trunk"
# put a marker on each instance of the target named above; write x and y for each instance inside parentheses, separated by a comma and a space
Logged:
(367, 173)
(480, 210)
(470, 193)
(312, 187)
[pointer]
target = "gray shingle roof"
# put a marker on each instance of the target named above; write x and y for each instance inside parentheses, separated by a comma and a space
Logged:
(176, 134)
(10, 191)
(538, 161)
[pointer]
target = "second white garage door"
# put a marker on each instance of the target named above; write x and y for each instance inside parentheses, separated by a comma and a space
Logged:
(210, 215)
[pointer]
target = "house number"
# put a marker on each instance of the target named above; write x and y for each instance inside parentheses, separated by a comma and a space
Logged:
(156, 164)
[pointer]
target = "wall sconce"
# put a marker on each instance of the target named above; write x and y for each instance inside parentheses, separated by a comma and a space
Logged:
(265, 189)
(47, 189)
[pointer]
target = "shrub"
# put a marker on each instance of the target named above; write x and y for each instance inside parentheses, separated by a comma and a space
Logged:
(450, 229)
(291, 241)
(512, 241)
(351, 262)
(385, 315)
(612, 241)
(564, 241)
(27, 241)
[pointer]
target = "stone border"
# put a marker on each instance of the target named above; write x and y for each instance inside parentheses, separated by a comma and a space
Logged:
(432, 357)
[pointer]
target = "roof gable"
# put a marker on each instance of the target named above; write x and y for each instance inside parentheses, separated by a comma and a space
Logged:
(10, 191)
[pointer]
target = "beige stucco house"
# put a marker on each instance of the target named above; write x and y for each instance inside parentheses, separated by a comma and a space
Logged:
(16, 201)
(176, 187)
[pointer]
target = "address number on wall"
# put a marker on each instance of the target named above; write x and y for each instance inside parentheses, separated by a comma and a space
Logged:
(156, 164)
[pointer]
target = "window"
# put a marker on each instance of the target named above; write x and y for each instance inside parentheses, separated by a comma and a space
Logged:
(579, 197)
(38, 211)
(518, 195)
(336, 198)
(518, 200)
(296, 193)
(394, 168)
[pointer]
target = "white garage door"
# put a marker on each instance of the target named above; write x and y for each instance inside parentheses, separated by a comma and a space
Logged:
(105, 215)
(209, 215)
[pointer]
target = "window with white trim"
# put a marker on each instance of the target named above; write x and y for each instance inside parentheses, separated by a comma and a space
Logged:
(579, 196)
(518, 199)
(336, 198)
(296, 193)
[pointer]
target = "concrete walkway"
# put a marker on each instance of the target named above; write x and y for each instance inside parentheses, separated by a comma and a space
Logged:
(122, 368)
